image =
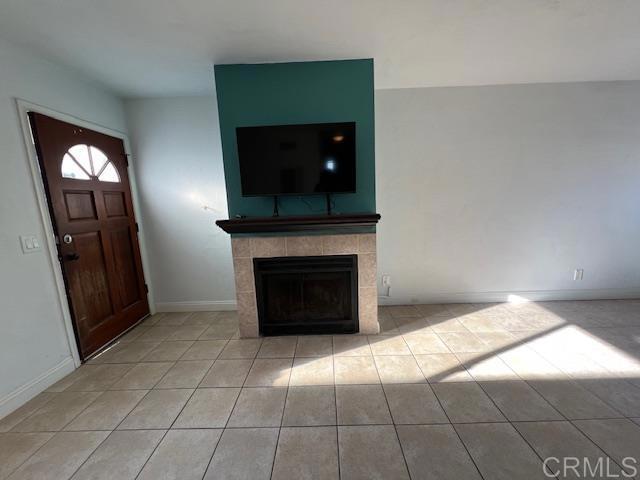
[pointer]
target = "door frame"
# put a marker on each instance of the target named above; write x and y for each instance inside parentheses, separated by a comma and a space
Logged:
(24, 107)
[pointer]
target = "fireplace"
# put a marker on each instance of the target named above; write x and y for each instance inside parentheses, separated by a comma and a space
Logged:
(307, 295)
(249, 247)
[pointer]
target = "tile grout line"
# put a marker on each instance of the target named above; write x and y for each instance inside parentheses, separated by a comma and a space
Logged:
(275, 450)
(487, 422)
(513, 426)
(545, 399)
(384, 393)
(604, 400)
(573, 381)
(209, 369)
(284, 405)
(230, 413)
(90, 454)
(167, 432)
(602, 449)
(119, 423)
(31, 414)
(518, 376)
(456, 432)
(128, 413)
(107, 437)
(493, 402)
(10, 474)
(335, 401)
(572, 421)
(204, 474)
(172, 423)
(443, 423)
(569, 378)
(101, 393)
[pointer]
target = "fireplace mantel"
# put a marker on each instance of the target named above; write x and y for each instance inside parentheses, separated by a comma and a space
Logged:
(298, 223)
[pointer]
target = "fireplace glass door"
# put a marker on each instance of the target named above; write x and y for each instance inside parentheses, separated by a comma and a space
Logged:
(307, 295)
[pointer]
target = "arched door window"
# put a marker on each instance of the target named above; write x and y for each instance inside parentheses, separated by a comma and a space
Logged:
(86, 162)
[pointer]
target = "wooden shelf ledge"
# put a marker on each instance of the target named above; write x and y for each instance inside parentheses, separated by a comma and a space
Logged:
(298, 223)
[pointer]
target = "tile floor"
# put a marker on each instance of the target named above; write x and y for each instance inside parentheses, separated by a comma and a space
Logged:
(444, 392)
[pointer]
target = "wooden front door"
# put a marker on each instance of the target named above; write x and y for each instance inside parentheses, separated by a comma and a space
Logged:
(85, 175)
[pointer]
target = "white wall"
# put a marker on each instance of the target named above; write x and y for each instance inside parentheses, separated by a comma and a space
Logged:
(178, 163)
(32, 335)
(486, 191)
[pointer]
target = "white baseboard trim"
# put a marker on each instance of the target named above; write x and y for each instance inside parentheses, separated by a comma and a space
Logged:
(26, 392)
(531, 295)
(201, 306)
(452, 297)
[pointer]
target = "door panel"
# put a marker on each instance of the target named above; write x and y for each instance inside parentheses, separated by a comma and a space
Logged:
(80, 205)
(89, 284)
(114, 204)
(87, 184)
(125, 266)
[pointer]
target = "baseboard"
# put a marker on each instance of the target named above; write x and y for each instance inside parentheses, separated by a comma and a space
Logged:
(202, 306)
(26, 392)
(530, 295)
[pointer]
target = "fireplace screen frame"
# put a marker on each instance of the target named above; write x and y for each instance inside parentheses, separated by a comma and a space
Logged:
(263, 267)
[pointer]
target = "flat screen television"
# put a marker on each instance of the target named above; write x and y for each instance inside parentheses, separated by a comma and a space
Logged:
(305, 159)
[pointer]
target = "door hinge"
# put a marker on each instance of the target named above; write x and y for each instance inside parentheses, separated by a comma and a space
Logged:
(146, 288)
(137, 227)
(126, 159)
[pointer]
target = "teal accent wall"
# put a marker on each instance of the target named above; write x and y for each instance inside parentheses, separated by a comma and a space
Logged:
(290, 93)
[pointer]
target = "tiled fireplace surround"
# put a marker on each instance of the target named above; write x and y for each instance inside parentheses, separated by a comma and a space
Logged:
(245, 249)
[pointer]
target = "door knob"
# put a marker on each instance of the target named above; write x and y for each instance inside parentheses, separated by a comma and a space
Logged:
(69, 257)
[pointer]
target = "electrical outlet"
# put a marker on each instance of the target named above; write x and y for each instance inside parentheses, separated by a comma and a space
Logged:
(386, 280)
(578, 274)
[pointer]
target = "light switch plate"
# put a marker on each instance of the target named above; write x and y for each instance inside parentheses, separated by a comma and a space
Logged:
(30, 244)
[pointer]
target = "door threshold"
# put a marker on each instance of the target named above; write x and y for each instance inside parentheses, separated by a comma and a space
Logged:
(116, 340)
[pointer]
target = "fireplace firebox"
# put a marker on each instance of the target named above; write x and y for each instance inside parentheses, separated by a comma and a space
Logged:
(307, 295)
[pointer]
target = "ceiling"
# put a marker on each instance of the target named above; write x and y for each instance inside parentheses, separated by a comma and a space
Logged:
(168, 47)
